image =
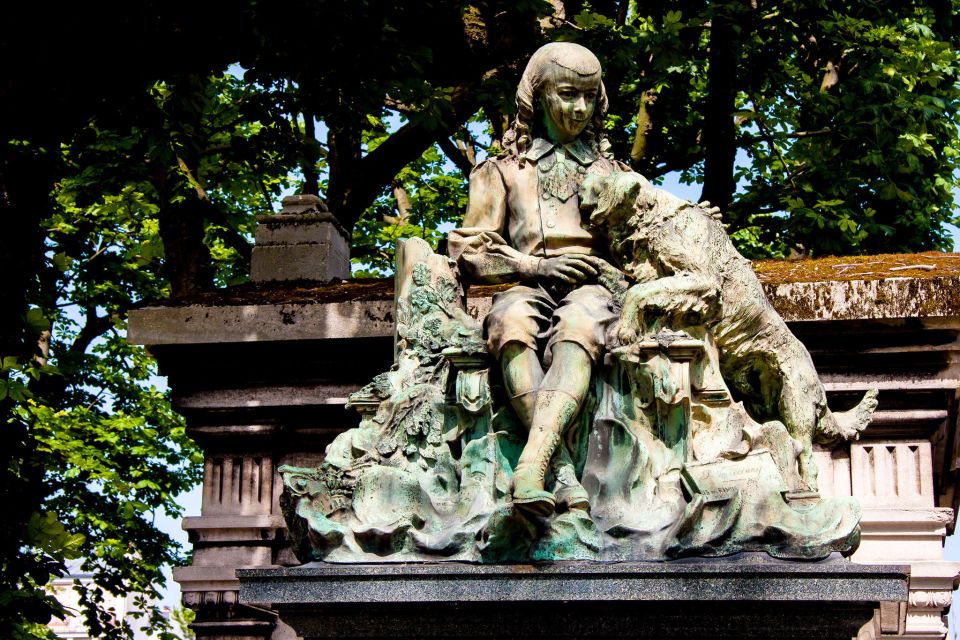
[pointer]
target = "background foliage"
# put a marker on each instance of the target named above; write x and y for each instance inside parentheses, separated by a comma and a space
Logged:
(132, 164)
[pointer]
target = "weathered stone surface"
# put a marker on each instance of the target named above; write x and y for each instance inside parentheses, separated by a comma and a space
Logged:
(893, 297)
(929, 264)
(742, 597)
(197, 324)
(303, 242)
(314, 261)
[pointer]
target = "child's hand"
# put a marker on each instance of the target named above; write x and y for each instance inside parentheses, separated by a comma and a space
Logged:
(571, 268)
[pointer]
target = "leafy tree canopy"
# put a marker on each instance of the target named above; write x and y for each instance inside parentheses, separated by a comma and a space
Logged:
(132, 165)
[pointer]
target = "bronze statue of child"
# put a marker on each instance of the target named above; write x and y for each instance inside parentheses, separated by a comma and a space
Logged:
(523, 223)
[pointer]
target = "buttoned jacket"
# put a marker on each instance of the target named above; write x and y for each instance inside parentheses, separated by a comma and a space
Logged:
(522, 208)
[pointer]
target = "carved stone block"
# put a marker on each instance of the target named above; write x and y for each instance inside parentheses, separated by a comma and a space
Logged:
(891, 473)
(237, 485)
(303, 242)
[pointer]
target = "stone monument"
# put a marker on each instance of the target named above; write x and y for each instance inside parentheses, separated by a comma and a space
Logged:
(635, 397)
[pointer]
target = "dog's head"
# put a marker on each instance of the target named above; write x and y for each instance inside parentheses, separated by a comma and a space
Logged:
(611, 200)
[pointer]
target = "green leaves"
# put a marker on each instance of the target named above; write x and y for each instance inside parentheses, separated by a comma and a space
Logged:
(102, 448)
(846, 115)
(592, 20)
(427, 197)
(46, 533)
(36, 320)
(14, 379)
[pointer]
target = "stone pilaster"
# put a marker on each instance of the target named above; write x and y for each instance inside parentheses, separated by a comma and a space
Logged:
(893, 480)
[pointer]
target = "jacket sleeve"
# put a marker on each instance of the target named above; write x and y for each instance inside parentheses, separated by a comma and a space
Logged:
(479, 247)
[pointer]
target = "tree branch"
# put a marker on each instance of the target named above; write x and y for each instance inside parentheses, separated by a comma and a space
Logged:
(93, 327)
(469, 150)
(456, 155)
(622, 12)
(308, 163)
(397, 105)
(383, 163)
(499, 122)
(765, 134)
(403, 205)
(787, 136)
(678, 164)
(644, 125)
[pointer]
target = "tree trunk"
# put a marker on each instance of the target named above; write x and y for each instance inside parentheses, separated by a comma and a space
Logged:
(25, 185)
(311, 180)
(26, 179)
(186, 259)
(343, 156)
(719, 131)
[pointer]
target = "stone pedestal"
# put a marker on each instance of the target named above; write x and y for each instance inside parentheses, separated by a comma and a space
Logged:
(303, 242)
(749, 596)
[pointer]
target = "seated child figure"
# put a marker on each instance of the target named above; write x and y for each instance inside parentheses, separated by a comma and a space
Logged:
(523, 223)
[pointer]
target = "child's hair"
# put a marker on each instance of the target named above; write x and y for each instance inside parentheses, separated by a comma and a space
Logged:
(568, 55)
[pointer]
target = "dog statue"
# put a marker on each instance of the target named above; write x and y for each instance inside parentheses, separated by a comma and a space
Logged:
(682, 260)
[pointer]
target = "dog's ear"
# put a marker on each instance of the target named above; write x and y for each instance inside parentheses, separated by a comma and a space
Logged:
(632, 186)
(608, 199)
(590, 190)
(621, 194)
(593, 199)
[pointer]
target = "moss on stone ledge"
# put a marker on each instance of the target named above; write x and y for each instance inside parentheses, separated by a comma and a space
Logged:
(770, 272)
(930, 264)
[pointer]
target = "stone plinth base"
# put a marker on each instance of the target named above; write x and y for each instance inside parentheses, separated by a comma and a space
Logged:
(746, 597)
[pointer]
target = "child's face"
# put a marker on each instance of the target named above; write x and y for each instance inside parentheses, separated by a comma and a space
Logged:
(568, 101)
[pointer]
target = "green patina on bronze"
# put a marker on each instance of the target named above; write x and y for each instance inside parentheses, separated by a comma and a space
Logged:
(593, 416)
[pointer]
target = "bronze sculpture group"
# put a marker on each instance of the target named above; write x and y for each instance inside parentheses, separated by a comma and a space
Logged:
(594, 414)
